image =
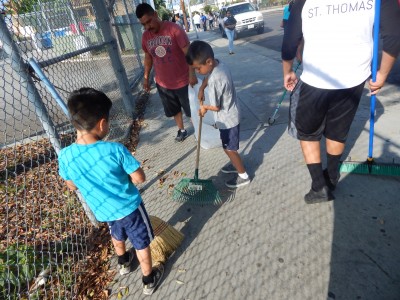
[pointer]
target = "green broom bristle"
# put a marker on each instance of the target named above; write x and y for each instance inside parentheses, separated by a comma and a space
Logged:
(198, 191)
(370, 168)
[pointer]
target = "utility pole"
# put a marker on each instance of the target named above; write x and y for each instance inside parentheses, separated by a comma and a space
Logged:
(184, 15)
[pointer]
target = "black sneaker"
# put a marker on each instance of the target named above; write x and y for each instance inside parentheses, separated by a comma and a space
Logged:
(181, 136)
(126, 267)
(228, 169)
(158, 272)
(237, 181)
(323, 195)
(331, 184)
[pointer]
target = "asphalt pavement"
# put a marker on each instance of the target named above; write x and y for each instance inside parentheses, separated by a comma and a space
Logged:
(264, 241)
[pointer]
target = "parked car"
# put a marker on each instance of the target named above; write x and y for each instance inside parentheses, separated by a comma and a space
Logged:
(247, 16)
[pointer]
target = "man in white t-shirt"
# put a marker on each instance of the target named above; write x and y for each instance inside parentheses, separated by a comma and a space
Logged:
(336, 63)
(197, 20)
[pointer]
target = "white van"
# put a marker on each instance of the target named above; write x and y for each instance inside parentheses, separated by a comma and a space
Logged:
(247, 16)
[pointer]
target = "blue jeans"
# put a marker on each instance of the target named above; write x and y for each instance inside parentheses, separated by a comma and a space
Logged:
(230, 34)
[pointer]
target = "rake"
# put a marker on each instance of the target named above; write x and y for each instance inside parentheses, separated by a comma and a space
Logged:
(271, 119)
(196, 191)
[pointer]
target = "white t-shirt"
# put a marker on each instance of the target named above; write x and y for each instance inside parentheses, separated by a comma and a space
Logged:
(196, 19)
(337, 42)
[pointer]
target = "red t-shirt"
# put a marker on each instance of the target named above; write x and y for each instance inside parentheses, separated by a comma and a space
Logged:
(165, 47)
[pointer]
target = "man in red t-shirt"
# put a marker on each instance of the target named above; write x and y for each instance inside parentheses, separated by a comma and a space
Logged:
(165, 45)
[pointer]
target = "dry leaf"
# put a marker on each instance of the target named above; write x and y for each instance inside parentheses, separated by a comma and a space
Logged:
(181, 270)
(160, 172)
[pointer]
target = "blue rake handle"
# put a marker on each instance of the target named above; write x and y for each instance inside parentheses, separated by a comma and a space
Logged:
(374, 71)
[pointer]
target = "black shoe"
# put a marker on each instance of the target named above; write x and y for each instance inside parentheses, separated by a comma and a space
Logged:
(323, 195)
(181, 136)
(331, 184)
(237, 181)
(158, 271)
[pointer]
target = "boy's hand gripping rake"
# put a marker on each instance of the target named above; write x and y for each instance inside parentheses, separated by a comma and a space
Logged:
(196, 191)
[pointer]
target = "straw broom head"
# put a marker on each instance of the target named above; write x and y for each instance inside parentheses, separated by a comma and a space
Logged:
(166, 240)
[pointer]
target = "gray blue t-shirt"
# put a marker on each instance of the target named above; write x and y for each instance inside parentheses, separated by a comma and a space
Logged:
(101, 173)
(222, 93)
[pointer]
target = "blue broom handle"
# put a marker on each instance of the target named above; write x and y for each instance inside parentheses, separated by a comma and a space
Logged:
(374, 71)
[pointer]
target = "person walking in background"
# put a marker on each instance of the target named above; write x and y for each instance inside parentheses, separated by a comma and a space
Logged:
(106, 173)
(229, 27)
(223, 100)
(325, 99)
(197, 20)
(179, 21)
(165, 45)
(210, 20)
(389, 30)
(203, 21)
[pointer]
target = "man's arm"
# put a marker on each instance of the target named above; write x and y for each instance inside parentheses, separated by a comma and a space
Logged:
(192, 74)
(387, 63)
(291, 41)
(148, 64)
(389, 31)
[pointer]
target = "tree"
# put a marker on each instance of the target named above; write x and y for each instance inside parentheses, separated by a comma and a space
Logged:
(159, 3)
(14, 7)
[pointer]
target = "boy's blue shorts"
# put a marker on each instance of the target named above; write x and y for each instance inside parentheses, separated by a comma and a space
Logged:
(136, 227)
(230, 138)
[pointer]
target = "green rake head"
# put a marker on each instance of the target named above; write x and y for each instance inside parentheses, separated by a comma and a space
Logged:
(196, 191)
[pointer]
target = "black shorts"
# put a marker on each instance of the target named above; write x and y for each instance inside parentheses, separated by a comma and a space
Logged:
(230, 138)
(174, 100)
(318, 112)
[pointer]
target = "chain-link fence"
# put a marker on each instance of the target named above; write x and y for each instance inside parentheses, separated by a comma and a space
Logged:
(47, 50)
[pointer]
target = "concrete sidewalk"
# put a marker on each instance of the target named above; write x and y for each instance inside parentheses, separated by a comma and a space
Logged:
(264, 242)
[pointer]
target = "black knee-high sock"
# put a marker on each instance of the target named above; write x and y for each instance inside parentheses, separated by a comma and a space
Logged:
(317, 177)
(333, 166)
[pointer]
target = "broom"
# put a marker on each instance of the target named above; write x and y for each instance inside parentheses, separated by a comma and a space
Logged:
(370, 166)
(197, 191)
(166, 240)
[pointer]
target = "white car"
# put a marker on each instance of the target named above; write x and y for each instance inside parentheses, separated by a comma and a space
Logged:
(247, 16)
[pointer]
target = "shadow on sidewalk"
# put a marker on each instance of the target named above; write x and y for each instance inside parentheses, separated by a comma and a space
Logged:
(364, 255)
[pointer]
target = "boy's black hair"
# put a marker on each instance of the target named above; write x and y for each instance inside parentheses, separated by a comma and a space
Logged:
(144, 9)
(88, 106)
(199, 51)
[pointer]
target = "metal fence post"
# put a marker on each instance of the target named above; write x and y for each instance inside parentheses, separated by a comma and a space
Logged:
(21, 69)
(132, 20)
(103, 17)
(64, 108)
